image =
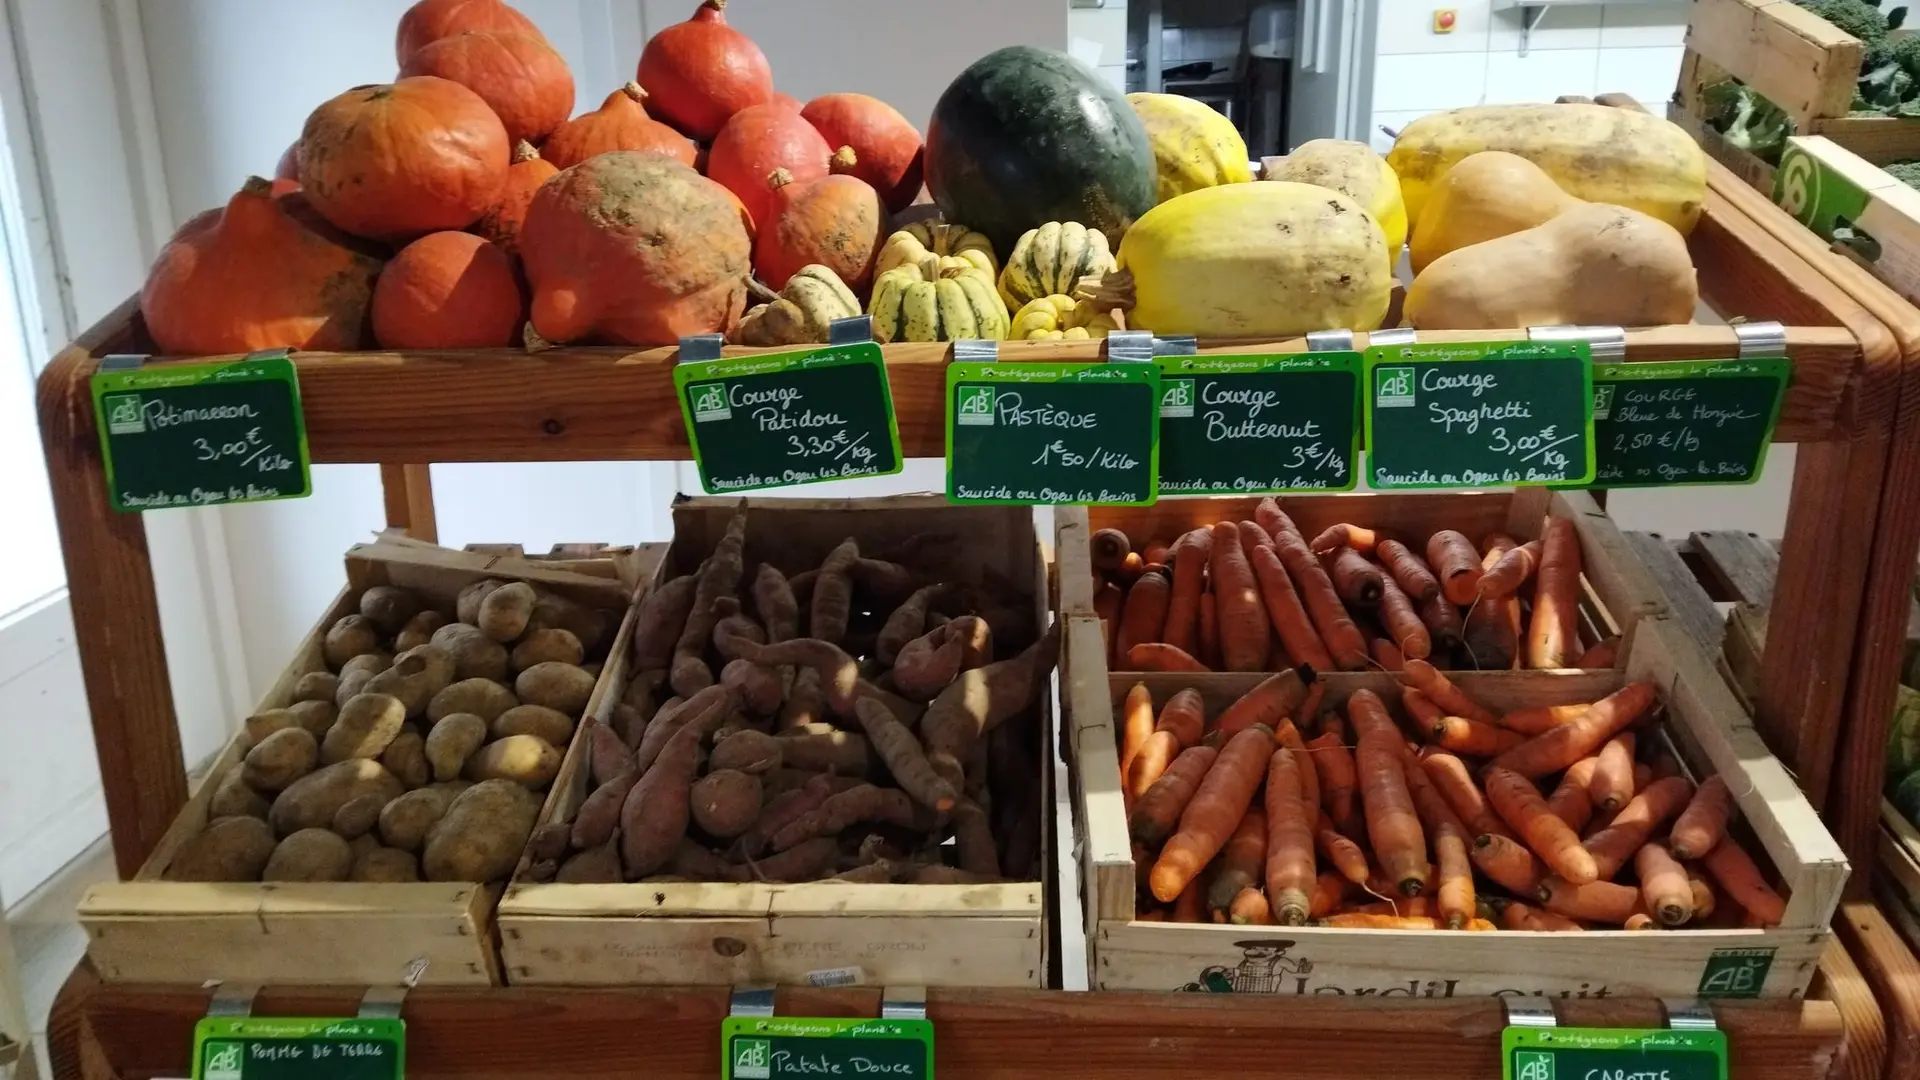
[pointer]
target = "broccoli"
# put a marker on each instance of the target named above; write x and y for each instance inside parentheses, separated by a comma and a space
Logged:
(1747, 120)
(1884, 81)
(1907, 172)
(1905, 52)
(1855, 17)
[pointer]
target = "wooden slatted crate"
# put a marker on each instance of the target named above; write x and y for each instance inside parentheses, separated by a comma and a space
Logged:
(993, 935)
(150, 930)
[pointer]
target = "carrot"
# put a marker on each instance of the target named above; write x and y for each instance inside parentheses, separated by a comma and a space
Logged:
(1329, 892)
(1571, 801)
(1151, 915)
(1400, 620)
(1513, 914)
(1388, 655)
(1107, 601)
(1507, 863)
(1213, 813)
(1612, 782)
(1290, 869)
(1269, 703)
(1433, 807)
(1640, 920)
(1541, 920)
(1249, 908)
(1417, 907)
(1703, 824)
(1455, 873)
(1407, 570)
(1187, 907)
(1370, 716)
(1429, 681)
(1601, 655)
(1343, 639)
(1356, 580)
(1642, 775)
(1393, 828)
(1181, 721)
(1519, 804)
(1209, 629)
(1554, 634)
(1242, 614)
(1426, 715)
(1703, 902)
(1158, 809)
(1663, 885)
(1739, 878)
(1316, 693)
(1159, 656)
(1443, 623)
(1270, 518)
(1241, 861)
(1333, 762)
(1540, 719)
(1109, 549)
(1567, 743)
(1137, 725)
(1288, 735)
(1341, 851)
(1512, 570)
(1144, 615)
(1185, 715)
(1665, 765)
(1358, 921)
(1334, 537)
(1471, 737)
(1289, 619)
(1456, 562)
(1595, 901)
(1155, 553)
(1614, 846)
(1189, 554)
(1449, 776)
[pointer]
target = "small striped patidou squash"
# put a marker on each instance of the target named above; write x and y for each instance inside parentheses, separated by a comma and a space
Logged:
(1051, 260)
(925, 302)
(1061, 318)
(915, 242)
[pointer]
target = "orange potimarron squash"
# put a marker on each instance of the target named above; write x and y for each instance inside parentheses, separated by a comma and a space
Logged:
(263, 273)
(501, 222)
(636, 249)
(288, 167)
(889, 148)
(759, 140)
(448, 290)
(620, 123)
(702, 71)
(519, 75)
(403, 159)
(836, 221)
(430, 20)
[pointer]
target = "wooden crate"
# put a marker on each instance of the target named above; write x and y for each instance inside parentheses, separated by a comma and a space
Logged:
(1617, 590)
(1900, 871)
(1708, 729)
(149, 930)
(734, 934)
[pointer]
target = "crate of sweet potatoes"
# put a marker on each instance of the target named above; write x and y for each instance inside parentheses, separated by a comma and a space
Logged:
(360, 826)
(822, 758)
(1428, 833)
(1527, 579)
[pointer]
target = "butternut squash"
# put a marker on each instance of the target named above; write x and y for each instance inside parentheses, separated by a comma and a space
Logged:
(1593, 152)
(1354, 170)
(1488, 195)
(1593, 265)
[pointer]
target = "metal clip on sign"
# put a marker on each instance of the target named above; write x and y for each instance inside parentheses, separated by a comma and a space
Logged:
(751, 1001)
(119, 362)
(896, 1002)
(700, 348)
(1393, 335)
(1604, 343)
(1330, 341)
(1532, 1014)
(232, 1000)
(975, 351)
(857, 330)
(1141, 347)
(1759, 340)
(1694, 1015)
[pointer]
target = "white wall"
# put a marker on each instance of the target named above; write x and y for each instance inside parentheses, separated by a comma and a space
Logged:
(1099, 37)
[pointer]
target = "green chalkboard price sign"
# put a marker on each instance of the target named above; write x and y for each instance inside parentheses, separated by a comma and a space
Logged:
(1479, 415)
(249, 1048)
(1531, 1053)
(202, 434)
(1685, 422)
(794, 418)
(1259, 424)
(789, 1048)
(1044, 433)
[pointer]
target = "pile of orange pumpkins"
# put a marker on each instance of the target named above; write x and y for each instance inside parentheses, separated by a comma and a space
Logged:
(464, 206)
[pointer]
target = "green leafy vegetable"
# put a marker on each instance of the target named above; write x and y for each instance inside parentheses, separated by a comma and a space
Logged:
(1747, 120)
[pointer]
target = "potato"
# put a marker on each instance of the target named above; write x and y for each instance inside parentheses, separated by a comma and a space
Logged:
(315, 716)
(726, 803)
(233, 798)
(484, 698)
(406, 758)
(419, 630)
(366, 726)
(541, 646)
(388, 607)
(363, 843)
(552, 725)
(351, 636)
(466, 606)
(564, 687)
(415, 677)
(262, 724)
(504, 612)
(752, 752)
(280, 759)
(311, 801)
(358, 817)
(228, 849)
(475, 655)
(316, 686)
(452, 741)
(352, 685)
(310, 855)
(385, 864)
(482, 834)
(523, 759)
(591, 626)
(404, 821)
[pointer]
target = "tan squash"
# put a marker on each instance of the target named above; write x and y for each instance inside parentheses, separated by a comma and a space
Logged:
(1593, 265)
(1488, 195)
(799, 314)
(1062, 318)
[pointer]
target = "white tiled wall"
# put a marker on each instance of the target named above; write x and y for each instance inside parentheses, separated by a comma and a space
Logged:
(1101, 31)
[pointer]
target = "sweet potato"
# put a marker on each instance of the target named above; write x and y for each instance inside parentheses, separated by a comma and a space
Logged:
(773, 601)
(705, 709)
(733, 627)
(758, 687)
(983, 698)
(907, 622)
(607, 755)
(973, 840)
(654, 817)
(725, 803)
(841, 752)
(806, 861)
(719, 577)
(904, 757)
(862, 804)
(599, 813)
(597, 865)
(657, 626)
(785, 809)
(929, 662)
(752, 752)
(831, 608)
(839, 674)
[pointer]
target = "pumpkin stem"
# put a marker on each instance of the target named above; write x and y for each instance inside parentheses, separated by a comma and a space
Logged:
(533, 341)
(779, 178)
(1113, 290)
(634, 91)
(718, 7)
(257, 186)
(844, 161)
(760, 291)
(525, 151)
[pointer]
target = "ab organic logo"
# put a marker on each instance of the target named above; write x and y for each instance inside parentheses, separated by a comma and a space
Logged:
(124, 415)
(752, 1059)
(710, 403)
(976, 406)
(223, 1061)
(1532, 1065)
(1603, 401)
(1176, 398)
(1393, 388)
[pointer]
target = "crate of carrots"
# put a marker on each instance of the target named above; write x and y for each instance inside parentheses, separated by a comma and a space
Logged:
(1530, 579)
(1612, 832)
